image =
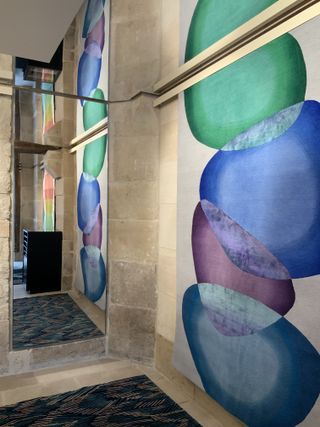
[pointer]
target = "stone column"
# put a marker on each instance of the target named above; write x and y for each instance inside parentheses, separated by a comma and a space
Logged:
(5, 211)
(133, 179)
(166, 313)
(62, 164)
(68, 164)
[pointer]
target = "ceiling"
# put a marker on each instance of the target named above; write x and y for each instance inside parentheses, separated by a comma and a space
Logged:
(33, 29)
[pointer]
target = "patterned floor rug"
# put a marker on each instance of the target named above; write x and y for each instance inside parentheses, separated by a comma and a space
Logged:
(133, 402)
(47, 320)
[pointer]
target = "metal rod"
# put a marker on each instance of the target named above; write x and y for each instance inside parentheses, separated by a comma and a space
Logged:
(265, 22)
(78, 97)
(230, 56)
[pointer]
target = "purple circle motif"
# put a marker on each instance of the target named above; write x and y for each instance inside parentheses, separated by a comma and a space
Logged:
(93, 272)
(212, 265)
(95, 237)
(97, 34)
(88, 202)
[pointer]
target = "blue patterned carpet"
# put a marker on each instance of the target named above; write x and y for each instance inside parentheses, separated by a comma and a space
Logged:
(132, 402)
(47, 320)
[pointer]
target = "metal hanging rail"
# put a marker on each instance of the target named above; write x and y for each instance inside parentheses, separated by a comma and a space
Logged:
(7, 87)
(276, 20)
(95, 132)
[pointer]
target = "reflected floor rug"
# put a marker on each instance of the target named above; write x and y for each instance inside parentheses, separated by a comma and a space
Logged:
(51, 319)
(133, 402)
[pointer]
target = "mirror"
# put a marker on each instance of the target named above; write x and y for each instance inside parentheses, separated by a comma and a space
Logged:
(60, 219)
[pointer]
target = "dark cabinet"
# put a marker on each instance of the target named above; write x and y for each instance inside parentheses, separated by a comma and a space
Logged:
(42, 258)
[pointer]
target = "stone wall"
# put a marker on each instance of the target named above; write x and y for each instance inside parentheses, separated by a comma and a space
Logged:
(5, 212)
(133, 179)
(61, 164)
(27, 108)
(27, 212)
(66, 187)
(31, 204)
(166, 316)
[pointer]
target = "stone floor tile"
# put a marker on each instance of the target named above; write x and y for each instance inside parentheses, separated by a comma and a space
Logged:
(176, 393)
(105, 377)
(200, 414)
(11, 381)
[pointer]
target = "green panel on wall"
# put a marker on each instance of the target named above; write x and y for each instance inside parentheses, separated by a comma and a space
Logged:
(251, 89)
(213, 19)
(93, 157)
(94, 112)
(94, 153)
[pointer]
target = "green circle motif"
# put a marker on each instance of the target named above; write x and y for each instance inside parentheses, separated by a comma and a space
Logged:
(94, 153)
(214, 19)
(249, 90)
(246, 92)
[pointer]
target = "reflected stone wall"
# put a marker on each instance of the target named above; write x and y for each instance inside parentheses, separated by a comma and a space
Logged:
(5, 212)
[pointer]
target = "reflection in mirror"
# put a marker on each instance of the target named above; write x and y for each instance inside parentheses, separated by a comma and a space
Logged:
(60, 211)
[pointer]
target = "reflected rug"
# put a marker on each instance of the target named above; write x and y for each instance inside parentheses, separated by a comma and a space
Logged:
(50, 319)
(133, 402)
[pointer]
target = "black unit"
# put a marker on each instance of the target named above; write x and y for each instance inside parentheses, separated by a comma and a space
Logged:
(42, 258)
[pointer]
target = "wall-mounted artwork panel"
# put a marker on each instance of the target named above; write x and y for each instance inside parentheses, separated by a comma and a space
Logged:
(48, 202)
(48, 114)
(248, 248)
(92, 162)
